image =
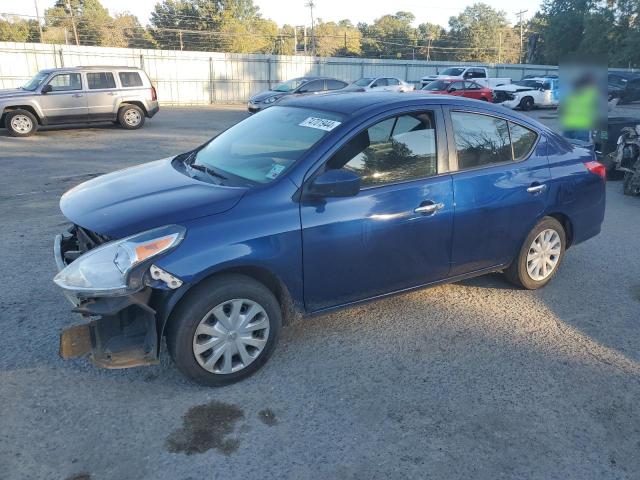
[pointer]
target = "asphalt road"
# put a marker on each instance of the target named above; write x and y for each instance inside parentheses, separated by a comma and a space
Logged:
(476, 380)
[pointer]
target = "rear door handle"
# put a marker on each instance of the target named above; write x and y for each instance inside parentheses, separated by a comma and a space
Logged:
(429, 209)
(537, 188)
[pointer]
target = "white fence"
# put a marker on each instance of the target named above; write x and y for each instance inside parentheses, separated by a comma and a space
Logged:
(192, 78)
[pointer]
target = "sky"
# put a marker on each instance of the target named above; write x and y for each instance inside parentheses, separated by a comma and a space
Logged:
(294, 12)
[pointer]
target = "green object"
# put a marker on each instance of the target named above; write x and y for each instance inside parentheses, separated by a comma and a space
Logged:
(580, 110)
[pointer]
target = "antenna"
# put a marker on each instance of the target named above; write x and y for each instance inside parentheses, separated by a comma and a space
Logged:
(519, 14)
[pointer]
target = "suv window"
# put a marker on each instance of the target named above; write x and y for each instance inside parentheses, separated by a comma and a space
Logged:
(65, 82)
(315, 86)
(477, 73)
(130, 79)
(100, 80)
(335, 84)
(394, 150)
(522, 140)
(480, 139)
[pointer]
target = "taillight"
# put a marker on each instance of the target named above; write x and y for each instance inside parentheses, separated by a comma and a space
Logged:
(597, 168)
(154, 94)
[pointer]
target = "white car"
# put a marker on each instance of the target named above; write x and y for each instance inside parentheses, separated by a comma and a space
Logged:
(479, 75)
(528, 93)
(380, 84)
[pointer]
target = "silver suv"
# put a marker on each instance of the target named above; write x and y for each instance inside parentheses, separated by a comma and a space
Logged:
(79, 95)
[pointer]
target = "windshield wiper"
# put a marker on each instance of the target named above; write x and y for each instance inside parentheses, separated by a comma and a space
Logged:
(203, 168)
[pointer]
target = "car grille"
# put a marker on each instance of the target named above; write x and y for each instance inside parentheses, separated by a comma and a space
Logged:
(500, 96)
(78, 240)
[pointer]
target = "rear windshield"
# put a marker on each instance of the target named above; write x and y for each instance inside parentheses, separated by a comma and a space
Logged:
(262, 147)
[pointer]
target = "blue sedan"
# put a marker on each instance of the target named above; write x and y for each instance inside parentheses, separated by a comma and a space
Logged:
(311, 205)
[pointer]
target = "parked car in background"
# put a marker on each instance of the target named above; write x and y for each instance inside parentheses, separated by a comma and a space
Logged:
(459, 88)
(295, 86)
(529, 93)
(319, 202)
(477, 74)
(380, 84)
(624, 86)
(79, 95)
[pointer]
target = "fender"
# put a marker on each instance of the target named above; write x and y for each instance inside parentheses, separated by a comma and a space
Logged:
(21, 103)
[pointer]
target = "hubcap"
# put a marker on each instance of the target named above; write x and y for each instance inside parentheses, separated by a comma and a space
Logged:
(544, 254)
(21, 124)
(231, 336)
(132, 117)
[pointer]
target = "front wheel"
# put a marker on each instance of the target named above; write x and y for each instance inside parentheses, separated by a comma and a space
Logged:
(224, 330)
(526, 103)
(21, 123)
(540, 255)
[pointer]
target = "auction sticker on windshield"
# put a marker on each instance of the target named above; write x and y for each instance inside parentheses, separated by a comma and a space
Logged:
(319, 123)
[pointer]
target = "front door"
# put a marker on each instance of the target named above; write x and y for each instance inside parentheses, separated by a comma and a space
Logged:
(101, 95)
(396, 232)
(66, 102)
(500, 189)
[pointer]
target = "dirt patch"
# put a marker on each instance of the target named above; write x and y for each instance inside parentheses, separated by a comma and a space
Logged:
(206, 427)
(268, 417)
(80, 476)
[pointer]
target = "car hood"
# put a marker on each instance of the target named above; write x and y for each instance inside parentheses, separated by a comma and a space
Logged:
(140, 198)
(513, 88)
(262, 96)
(14, 92)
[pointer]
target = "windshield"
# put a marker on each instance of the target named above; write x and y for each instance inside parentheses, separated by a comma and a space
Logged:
(35, 81)
(262, 147)
(437, 85)
(290, 85)
(455, 71)
(529, 83)
(363, 82)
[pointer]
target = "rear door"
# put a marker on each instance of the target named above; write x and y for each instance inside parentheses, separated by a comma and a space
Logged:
(66, 102)
(396, 232)
(102, 95)
(472, 90)
(500, 187)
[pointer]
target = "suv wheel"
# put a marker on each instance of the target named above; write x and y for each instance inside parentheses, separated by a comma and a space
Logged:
(540, 255)
(21, 123)
(224, 330)
(131, 117)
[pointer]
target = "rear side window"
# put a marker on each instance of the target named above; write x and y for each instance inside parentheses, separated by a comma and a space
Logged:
(394, 150)
(335, 85)
(130, 79)
(100, 80)
(393, 81)
(315, 86)
(484, 140)
(522, 140)
(480, 140)
(66, 82)
(471, 86)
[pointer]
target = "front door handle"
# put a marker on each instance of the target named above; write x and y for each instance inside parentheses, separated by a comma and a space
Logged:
(77, 95)
(537, 188)
(429, 209)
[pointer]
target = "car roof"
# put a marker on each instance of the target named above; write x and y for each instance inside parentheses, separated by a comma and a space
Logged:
(91, 67)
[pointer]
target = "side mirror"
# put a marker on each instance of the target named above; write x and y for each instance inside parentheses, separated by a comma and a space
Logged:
(302, 90)
(335, 183)
(47, 88)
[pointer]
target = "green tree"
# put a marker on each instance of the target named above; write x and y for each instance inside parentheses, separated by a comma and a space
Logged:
(14, 29)
(390, 36)
(337, 39)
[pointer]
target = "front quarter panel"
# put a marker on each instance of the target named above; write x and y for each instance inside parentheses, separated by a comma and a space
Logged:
(262, 231)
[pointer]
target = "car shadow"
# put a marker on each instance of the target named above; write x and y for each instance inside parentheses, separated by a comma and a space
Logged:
(490, 280)
(71, 126)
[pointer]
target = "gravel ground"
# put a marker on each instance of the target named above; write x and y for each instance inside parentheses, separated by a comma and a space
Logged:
(472, 380)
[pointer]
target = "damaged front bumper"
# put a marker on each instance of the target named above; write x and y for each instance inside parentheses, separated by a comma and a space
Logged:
(122, 331)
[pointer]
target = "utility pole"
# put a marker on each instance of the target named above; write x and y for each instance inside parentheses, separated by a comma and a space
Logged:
(519, 14)
(180, 37)
(429, 50)
(73, 23)
(38, 19)
(500, 47)
(295, 40)
(310, 4)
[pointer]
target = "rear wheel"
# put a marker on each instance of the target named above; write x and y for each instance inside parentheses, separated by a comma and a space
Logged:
(526, 103)
(131, 117)
(21, 123)
(224, 330)
(540, 255)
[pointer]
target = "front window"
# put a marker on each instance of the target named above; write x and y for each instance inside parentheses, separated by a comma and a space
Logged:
(35, 81)
(454, 72)
(438, 85)
(289, 86)
(363, 82)
(66, 82)
(262, 147)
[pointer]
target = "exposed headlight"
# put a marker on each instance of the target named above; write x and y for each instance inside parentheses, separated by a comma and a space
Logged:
(271, 99)
(118, 267)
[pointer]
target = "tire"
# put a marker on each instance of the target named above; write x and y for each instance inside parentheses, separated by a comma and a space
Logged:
(21, 123)
(131, 117)
(195, 313)
(526, 103)
(519, 275)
